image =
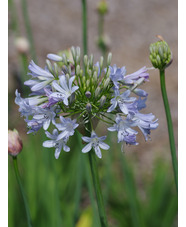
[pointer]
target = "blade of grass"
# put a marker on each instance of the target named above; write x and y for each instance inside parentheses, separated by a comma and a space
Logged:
(131, 192)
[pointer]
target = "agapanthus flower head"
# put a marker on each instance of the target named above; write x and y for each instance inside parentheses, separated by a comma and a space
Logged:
(67, 96)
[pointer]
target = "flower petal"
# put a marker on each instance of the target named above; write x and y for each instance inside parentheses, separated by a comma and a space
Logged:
(98, 151)
(48, 143)
(62, 135)
(54, 57)
(46, 124)
(87, 148)
(104, 146)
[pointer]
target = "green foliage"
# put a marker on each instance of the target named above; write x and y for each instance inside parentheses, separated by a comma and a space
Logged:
(59, 191)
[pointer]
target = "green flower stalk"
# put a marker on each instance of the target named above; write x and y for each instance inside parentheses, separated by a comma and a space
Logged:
(161, 58)
(103, 39)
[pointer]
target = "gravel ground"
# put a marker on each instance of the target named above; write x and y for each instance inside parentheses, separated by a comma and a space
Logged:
(131, 26)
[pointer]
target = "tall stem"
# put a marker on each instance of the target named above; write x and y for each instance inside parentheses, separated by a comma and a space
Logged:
(28, 29)
(97, 187)
(22, 191)
(170, 127)
(84, 24)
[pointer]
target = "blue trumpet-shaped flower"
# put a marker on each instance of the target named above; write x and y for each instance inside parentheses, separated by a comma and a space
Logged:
(95, 142)
(67, 126)
(125, 132)
(117, 74)
(145, 123)
(64, 90)
(58, 144)
(41, 77)
(121, 101)
(46, 116)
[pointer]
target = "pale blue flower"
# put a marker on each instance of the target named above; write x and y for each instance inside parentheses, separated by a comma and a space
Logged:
(42, 77)
(67, 126)
(33, 125)
(98, 66)
(141, 73)
(140, 92)
(54, 57)
(95, 142)
(121, 101)
(117, 74)
(24, 106)
(51, 100)
(64, 90)
(44, 115)
(145, 123)
(58, 144)
(124, 130)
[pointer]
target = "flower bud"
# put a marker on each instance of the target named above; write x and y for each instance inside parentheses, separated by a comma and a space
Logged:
(78, 52)
(102, 101)
(109, 58)
(88, 94)
(78, 69)
(108, 73)
(73, 51)
(89, 72)
(106, 83)
(95, 77)
(89, 107)
(77, 59)
(101, 62)
(160, 54)
(64, 57)
(49, 65)
(56, 69)
(22, 45)
(102, 7)
(97, 91)
(86, 60)
(67, 77)
(15, 144)
(87, 83)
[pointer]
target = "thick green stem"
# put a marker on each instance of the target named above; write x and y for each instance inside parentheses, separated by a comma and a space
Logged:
(97, 187)
(22, 192)
(170, 127)
(84, 24)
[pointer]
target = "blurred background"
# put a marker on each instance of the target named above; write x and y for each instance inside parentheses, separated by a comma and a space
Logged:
(138, 186)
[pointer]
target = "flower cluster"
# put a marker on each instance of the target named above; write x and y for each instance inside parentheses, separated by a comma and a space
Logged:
(66, 96)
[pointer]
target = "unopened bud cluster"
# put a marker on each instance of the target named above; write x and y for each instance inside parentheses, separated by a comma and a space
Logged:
(160, 54)
(72, 93)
